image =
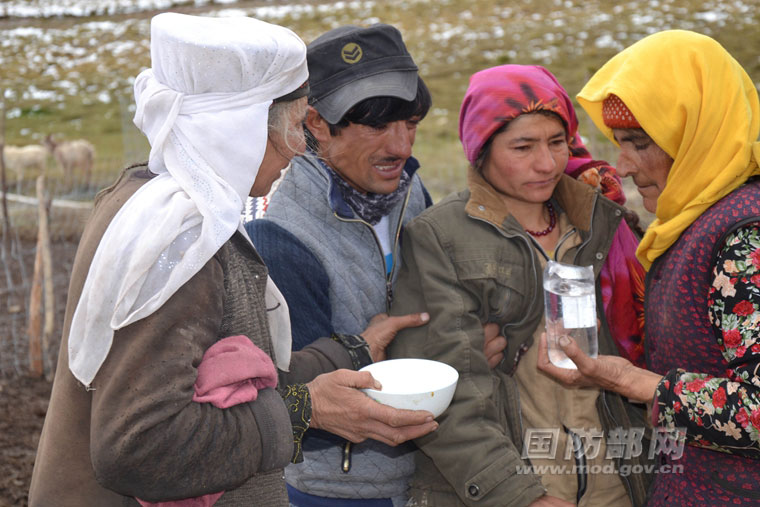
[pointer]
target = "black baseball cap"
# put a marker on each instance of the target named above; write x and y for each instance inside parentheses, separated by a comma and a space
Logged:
(350, 64)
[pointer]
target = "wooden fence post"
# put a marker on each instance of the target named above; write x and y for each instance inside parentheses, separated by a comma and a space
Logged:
(47, 271)
(36, 368)
(42, 302)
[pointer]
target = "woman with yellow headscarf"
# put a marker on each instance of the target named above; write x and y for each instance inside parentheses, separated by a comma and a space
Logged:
(686, 117)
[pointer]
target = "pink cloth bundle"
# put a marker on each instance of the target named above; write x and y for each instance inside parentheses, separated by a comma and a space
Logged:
(231, 372)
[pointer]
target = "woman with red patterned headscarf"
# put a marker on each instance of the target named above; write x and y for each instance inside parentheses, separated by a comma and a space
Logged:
(478, 256)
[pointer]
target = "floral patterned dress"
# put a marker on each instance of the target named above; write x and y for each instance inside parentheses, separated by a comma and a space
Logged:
(702, 308)
(723, 413)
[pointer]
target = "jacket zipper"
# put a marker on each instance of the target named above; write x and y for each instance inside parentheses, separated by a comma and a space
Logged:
(389, 274)
(396, 252)
(346, 461)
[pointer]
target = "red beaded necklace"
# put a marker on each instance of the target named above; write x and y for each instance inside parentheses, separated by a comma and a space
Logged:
(552, 223)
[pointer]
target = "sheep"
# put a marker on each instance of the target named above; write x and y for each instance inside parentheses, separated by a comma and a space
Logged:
(72, 157)
(20, 158)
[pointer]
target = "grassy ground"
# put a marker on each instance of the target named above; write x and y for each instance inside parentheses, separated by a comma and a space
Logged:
(73, 76)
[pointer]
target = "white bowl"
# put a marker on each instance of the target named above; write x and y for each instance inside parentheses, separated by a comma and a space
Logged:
(414, 384)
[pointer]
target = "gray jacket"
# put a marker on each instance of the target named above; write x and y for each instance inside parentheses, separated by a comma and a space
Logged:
(330, 267)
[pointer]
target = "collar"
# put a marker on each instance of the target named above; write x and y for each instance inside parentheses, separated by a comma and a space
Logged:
(485, 202)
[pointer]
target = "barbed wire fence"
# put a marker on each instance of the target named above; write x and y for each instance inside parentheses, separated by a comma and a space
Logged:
(66, 204)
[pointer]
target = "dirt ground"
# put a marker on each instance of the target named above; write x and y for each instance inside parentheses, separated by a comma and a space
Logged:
(23, 403)
(23, 400)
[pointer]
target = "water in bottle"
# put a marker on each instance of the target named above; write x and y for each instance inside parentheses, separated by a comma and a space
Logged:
(570, 305)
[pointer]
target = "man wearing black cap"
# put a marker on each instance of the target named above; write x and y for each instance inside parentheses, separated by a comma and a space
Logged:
(330, 235)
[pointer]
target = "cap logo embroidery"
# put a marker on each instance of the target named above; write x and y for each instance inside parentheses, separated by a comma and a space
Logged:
(351, 53)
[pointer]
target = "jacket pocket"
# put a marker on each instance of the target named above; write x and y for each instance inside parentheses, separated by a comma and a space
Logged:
(499, 286)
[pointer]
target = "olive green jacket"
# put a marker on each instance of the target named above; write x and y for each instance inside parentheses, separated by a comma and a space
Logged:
(467, 262)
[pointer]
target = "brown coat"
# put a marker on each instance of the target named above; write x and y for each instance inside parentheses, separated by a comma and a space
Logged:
(138, 433)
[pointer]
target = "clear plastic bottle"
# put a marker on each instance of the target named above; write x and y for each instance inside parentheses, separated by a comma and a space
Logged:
(570, 309)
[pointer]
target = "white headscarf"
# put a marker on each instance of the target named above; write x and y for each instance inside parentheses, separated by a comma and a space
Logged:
(204, 107)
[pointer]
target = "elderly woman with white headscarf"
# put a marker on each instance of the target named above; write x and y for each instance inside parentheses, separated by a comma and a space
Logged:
(170, 306)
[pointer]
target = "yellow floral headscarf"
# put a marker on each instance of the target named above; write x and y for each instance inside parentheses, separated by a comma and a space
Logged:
(699, 105)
